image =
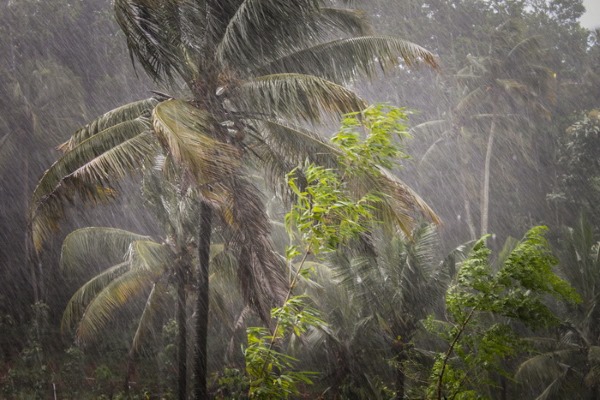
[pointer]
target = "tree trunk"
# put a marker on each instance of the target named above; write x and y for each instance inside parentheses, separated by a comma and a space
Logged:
(485, 191)
(400, 350)
(201, 392)
(182, 334)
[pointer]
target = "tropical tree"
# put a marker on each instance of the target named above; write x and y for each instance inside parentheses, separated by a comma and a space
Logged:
(571, 355)
(137, 266)
(504, 88)
(254, 71)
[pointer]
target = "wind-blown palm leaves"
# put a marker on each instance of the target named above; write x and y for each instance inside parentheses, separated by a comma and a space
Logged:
(377, 301)
(237, 58)
(236, 113)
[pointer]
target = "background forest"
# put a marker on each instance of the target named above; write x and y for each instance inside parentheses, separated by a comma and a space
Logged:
(445, 249)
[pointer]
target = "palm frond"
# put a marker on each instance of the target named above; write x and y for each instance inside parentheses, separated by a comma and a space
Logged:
(295, 143)
(296, 96)
(153, 35)
(189, 135)
(86, 171)
(116, 295)
(255, 19)
(147, 255)
(87, 292)
(114, 117)
(260, 268)
(343, 60)
(96, 242)
(401, 202)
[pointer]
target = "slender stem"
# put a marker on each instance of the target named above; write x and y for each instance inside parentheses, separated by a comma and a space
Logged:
(449, 353)
(287, 297)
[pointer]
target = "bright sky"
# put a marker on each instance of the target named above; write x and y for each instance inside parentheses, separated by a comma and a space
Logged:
(591, 18)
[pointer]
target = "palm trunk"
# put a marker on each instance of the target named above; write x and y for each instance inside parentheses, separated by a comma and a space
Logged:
(400, 356)
(182, 335)
(485, 191)
(201, 392)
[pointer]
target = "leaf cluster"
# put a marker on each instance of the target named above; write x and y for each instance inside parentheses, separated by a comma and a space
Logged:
(483, 304)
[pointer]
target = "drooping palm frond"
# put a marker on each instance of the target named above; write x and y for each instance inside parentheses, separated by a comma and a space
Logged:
(149, 256)
(118, 293)
(87, 292)
(127, 112)
(295, 143)
(295, 96)
(87, 170)
(400, 202)
(96, 243)
(188, 135)
(260, 269)
(343, 60)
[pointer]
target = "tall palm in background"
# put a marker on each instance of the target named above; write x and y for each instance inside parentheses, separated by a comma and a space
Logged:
(505, 90)
(255, 72)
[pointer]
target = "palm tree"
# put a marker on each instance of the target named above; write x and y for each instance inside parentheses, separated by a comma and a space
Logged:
(255, 71)
(377, 301)
(505, 87)
(139, 266)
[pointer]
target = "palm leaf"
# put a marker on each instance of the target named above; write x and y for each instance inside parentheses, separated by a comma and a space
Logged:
(94, 243)
(153, 34)
(147, 255)
(114, 117)
(344, 59)
(86, 170)
(296, 144)
(155, 302)
(117, 294)
(87, 292)
(296, 96)
(255, 19)
(400, 202)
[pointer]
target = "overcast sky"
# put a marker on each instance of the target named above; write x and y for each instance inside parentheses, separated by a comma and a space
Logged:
(591, 18)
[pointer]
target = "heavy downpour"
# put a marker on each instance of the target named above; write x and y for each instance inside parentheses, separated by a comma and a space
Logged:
(299, 199)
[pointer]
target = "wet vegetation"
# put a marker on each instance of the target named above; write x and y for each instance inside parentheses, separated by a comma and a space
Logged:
(275, 199)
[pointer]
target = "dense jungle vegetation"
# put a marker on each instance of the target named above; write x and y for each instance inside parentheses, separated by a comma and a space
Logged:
(316, 199)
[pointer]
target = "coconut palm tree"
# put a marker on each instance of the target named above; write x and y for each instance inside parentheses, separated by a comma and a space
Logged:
(255, 72)
(501, 91)
(138, 265)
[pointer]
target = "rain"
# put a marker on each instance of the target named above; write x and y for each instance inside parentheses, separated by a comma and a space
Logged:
(308, 199)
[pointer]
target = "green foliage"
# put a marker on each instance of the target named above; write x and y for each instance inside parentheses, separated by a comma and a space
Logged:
(270, 371)
(325, 213)
(483, 304)
(379, 124)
